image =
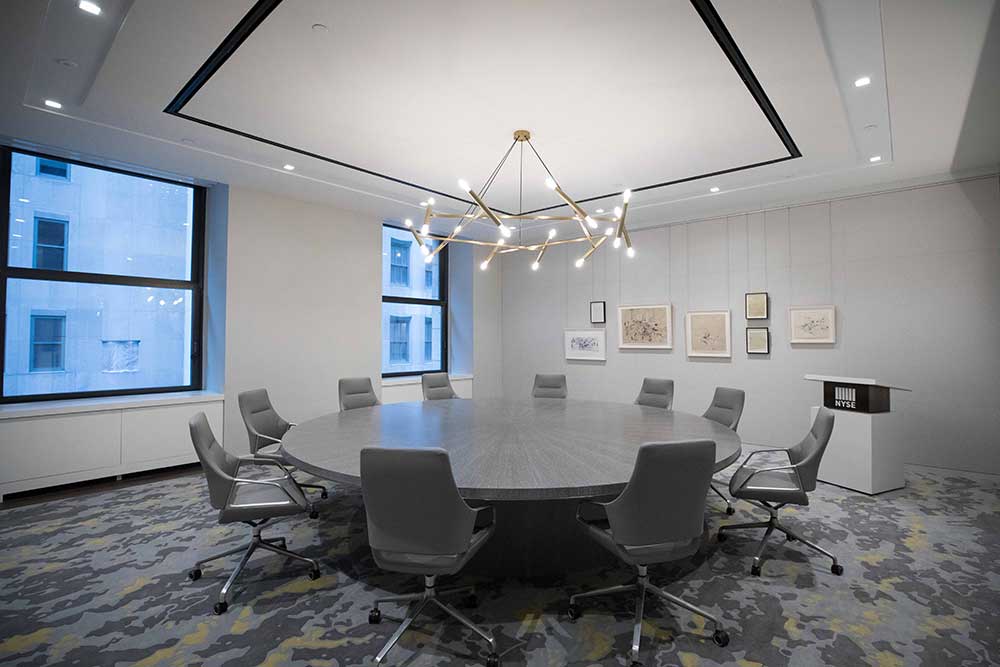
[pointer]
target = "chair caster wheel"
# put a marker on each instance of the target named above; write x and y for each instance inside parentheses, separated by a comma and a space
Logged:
(471, 601)
(493, 660)
(314, 574)
(755, 570)
(375, 616)
(324, 495)
(220, 608)
(720, 637)
(721, 537)
(195, 574)
(729, 510)
(314, 514)
(837, 569)
(574, 612)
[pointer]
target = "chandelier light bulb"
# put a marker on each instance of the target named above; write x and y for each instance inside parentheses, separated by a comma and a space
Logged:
(408, 223)
(552, 233)
(424, 204)
(618, 211)
(425, 250)
(500, 241)
(463, 185)
(505, 230)
(626, 196)
(484, 265)
(430, 200)
(458, 228)
(617, 243)
(425, 229)
(630, 252)
(428, 259)
(579, 263)
(609, 231)
(534, 266)
(591, 222)
(550, 184)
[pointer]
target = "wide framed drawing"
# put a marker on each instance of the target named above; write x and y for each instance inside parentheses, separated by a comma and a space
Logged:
(758, 340)
(646, 327)
(597, 314)
(812, 324)
(585, 344)
(708, 333)
(756, 306)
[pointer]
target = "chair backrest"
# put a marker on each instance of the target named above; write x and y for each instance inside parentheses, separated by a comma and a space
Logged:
(412, 503)
(549, 386)
(436, 386)
(356, 393)
(656, 393)
(664, 500)
(726, 407)
(260, 418)
(806, 455)
(218, 464)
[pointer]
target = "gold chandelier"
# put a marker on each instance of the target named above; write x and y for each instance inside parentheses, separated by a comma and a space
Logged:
(479, 210)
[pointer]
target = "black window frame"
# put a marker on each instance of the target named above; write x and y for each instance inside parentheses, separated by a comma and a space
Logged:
(195, 283)
(441, 301)
(65, 241)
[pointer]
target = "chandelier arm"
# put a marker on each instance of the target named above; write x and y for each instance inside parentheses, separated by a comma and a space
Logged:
(544, 166)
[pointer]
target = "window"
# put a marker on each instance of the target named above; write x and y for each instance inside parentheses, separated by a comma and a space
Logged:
(422, 303)
(117, 313)
(52, 169)
(400, 263)
(48, 342)
(428, 338)
(50, 244)
(399, 339)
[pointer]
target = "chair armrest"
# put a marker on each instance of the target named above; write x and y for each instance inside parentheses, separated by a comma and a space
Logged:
(595, 506)
(763, 451)
(265, 461)
(260, 482)
(271, 441)
(482, 520)
(798, 479)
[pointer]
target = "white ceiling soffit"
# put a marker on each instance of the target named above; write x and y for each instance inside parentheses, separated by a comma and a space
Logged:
(616, 95)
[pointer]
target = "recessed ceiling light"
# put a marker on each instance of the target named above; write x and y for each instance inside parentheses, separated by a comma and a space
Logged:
(23, 200)
(89, 7)
(862, 82)
(52, 104)
(713, 189)
(289, 167)
(875, 158)
(600, 210)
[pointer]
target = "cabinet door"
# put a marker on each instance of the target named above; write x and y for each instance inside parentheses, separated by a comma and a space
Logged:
(159, 435)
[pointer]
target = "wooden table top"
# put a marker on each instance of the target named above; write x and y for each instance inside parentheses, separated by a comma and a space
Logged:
(534, 449)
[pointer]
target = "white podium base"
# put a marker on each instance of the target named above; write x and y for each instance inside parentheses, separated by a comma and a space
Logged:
(865, 451)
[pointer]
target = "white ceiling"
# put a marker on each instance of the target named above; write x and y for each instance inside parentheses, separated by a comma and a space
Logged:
(616, 95)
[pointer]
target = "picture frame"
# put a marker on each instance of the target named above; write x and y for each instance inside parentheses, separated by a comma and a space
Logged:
(756, 305)
(708, 334)
(758, 340)
(646, 327)
(812, 325)
(597, 312)
(585, 344)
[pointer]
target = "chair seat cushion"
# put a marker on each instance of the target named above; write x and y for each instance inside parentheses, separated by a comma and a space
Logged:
(263, 501)
(647, 554)
(776, 486)
(432, 564)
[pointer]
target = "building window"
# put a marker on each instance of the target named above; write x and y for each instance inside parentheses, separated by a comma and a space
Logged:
(48, 343)
(50, 244)
(399, 339)
(399, 263)
(52, 168)
(131, 283)
(428, 338)
(424, 304)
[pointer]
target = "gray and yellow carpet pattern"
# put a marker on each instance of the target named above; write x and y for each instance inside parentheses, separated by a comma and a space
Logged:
(100, 579)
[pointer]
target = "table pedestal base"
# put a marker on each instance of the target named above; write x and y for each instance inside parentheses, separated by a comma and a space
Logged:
(536, 539)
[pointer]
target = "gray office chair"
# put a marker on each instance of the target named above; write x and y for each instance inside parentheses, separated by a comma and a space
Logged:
(356, 393)
(656, 393)
(659, 517)
(265, 428)
(773, 488)
(726, 409)
(250, 501)
(436, 386)
(419, 524)
(549, 386)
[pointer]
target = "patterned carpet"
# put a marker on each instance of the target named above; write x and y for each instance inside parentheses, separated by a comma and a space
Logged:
(99, 579)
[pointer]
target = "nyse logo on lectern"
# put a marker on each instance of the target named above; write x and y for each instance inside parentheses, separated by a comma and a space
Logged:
(845, 397)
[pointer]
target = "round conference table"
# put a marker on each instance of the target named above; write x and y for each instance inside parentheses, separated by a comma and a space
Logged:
(533, 460)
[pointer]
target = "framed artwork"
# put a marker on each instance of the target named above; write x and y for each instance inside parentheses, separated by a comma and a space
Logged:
(756, 306)
(597, 315)
(646, 327)
(812, 324)
(585, 344)
(708, 333)
(758, 340)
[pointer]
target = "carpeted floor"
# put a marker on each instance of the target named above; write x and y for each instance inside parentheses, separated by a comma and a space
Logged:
(100, 579)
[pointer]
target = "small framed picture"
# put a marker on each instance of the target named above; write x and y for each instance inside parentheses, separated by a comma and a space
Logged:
(585, 344)
(646, 327)
(812, 324)
(597, 315)
(708, 333)
(758, 340)
(757, 306)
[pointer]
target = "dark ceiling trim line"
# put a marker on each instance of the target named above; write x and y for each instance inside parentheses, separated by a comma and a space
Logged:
(263, 8)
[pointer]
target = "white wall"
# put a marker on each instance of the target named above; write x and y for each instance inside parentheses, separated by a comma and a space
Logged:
(303, 304)
(914, 274)
(487, 317)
